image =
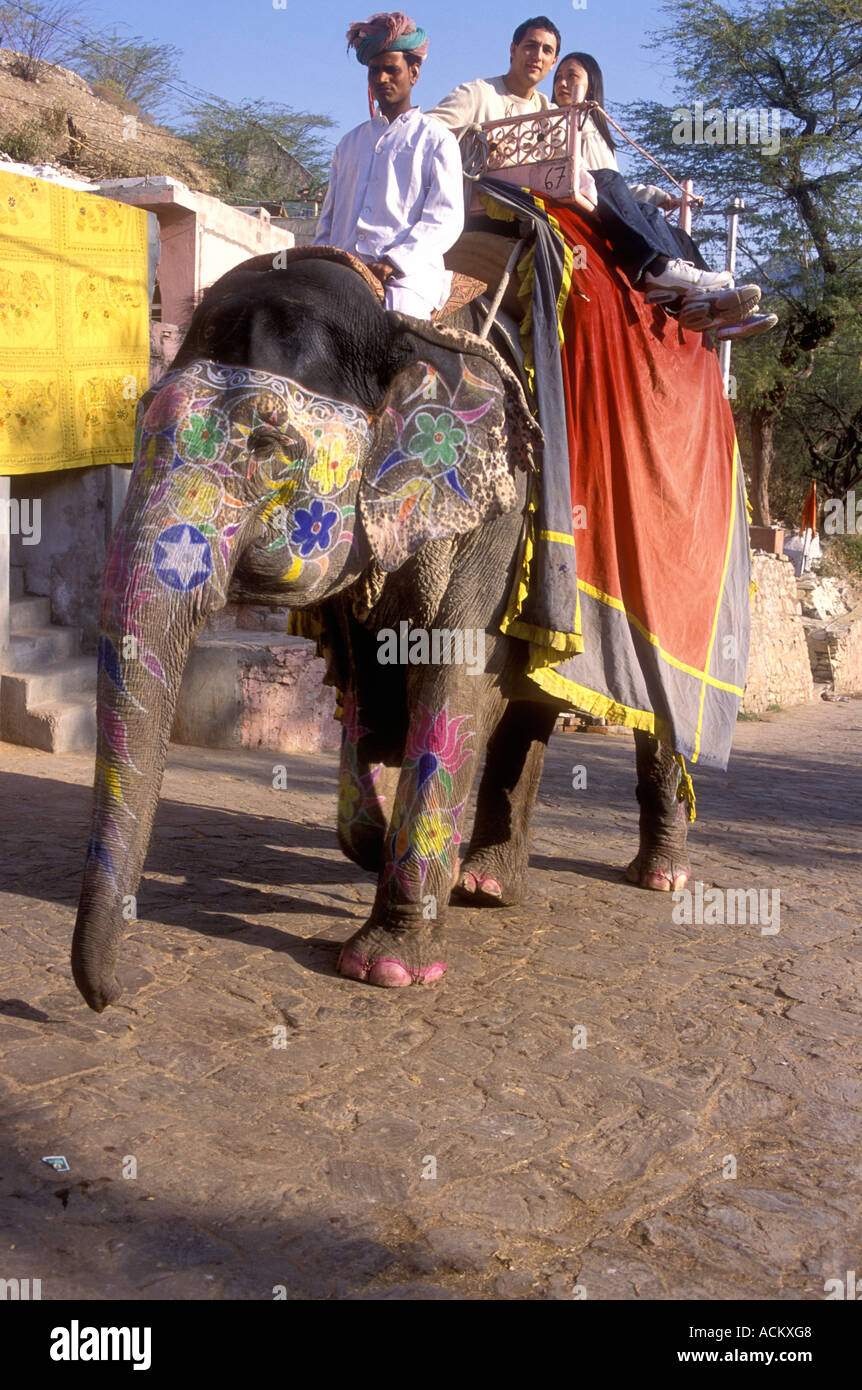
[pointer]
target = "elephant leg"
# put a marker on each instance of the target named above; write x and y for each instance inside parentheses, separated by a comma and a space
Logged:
(661, 862)
(372, 751)
(402, 942)
(495, 867)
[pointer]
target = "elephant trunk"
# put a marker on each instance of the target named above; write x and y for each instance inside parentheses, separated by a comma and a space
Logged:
(140, 672)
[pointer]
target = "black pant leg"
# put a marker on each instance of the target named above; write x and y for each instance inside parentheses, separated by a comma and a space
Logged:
(635, 242)
(674, 235)
(638, 232)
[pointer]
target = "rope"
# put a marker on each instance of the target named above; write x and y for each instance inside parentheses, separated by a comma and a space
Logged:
(476, 155)
(501, 289)
(588, 106)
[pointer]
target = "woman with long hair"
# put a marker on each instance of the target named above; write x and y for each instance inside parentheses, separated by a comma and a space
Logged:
(659, 259)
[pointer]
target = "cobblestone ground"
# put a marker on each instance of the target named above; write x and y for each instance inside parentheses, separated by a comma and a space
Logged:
(709, 1049)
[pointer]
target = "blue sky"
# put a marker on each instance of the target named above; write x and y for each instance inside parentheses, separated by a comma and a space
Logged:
(245, 49)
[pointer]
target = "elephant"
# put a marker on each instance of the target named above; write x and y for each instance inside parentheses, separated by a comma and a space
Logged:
(310, 449)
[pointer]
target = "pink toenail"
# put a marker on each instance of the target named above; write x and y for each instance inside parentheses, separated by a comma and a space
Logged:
(661, 882)
(432, 972)
(389, 973)
(352, 964)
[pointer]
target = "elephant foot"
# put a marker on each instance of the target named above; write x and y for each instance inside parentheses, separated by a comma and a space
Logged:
(658, 872)
(478, 889)
(389, 959)
(482, 883)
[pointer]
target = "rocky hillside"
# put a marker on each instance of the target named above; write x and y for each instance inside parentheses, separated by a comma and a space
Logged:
(60, 119)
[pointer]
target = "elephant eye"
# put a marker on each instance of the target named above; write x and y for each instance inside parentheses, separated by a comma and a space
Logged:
(266, 440)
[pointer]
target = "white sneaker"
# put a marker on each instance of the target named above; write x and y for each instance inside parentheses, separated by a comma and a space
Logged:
(718, 308)
(679, 278)
(749, 328)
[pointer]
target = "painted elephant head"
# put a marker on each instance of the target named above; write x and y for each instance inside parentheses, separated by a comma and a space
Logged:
(301, 433)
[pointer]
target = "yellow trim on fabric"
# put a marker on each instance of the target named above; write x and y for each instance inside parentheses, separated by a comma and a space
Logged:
(496, 210)
(521, 588)
(730, 533)
(560, 645)
(685, 788)
(527, 274)
(559, 536)
(653, 640)
(595, 703)
(568, 268)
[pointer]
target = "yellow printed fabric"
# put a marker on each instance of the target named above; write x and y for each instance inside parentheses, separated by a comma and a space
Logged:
(74, 326)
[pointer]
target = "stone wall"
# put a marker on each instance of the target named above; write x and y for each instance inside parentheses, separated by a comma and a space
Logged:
(779, 672)
(256, 688)
(835, 650)
(78, 510)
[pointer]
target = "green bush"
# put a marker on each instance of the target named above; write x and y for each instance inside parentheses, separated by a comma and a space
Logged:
(28, 144)
(842, 558)
(56, 121)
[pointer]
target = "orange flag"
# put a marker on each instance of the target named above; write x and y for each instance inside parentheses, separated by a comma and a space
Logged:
(808, 521)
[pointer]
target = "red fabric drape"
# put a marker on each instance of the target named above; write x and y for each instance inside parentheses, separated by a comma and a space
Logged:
(651, 445)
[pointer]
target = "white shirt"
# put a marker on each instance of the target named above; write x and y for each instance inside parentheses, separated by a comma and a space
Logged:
(486, 99)
(596, 153)
(396, 190)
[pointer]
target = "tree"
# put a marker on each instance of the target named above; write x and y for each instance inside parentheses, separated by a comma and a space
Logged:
(825, 416)
(128, 65)
(259, 151)
(39, 31)
(780, 122)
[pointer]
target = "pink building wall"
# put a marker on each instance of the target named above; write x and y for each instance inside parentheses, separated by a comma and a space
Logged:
(201, 238)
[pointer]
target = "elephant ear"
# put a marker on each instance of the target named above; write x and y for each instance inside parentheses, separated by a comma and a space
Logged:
(453, 422)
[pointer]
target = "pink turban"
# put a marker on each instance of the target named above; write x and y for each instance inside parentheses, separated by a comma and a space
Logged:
(386, 33)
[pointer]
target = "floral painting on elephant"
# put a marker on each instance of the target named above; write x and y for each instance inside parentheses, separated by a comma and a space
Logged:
(205, 434)
(440, 443)
(426, 814)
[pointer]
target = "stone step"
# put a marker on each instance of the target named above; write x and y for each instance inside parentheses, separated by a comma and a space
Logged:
(63, 726)
(246, 617)
(27, 689)
(255, 689)
(29, 610)
(40, 646)
(16, 581)
(48, 690)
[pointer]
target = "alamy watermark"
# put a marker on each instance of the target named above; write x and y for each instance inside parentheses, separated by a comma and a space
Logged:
(842, 516)
(847, 1288)
(719, 907)
(20, 1290)
(734, 127)
(77, 1343)
(21, 516)
(437, 646)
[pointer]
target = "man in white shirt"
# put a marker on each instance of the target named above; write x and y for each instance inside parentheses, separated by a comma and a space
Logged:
(532, 53)
(396, 193)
